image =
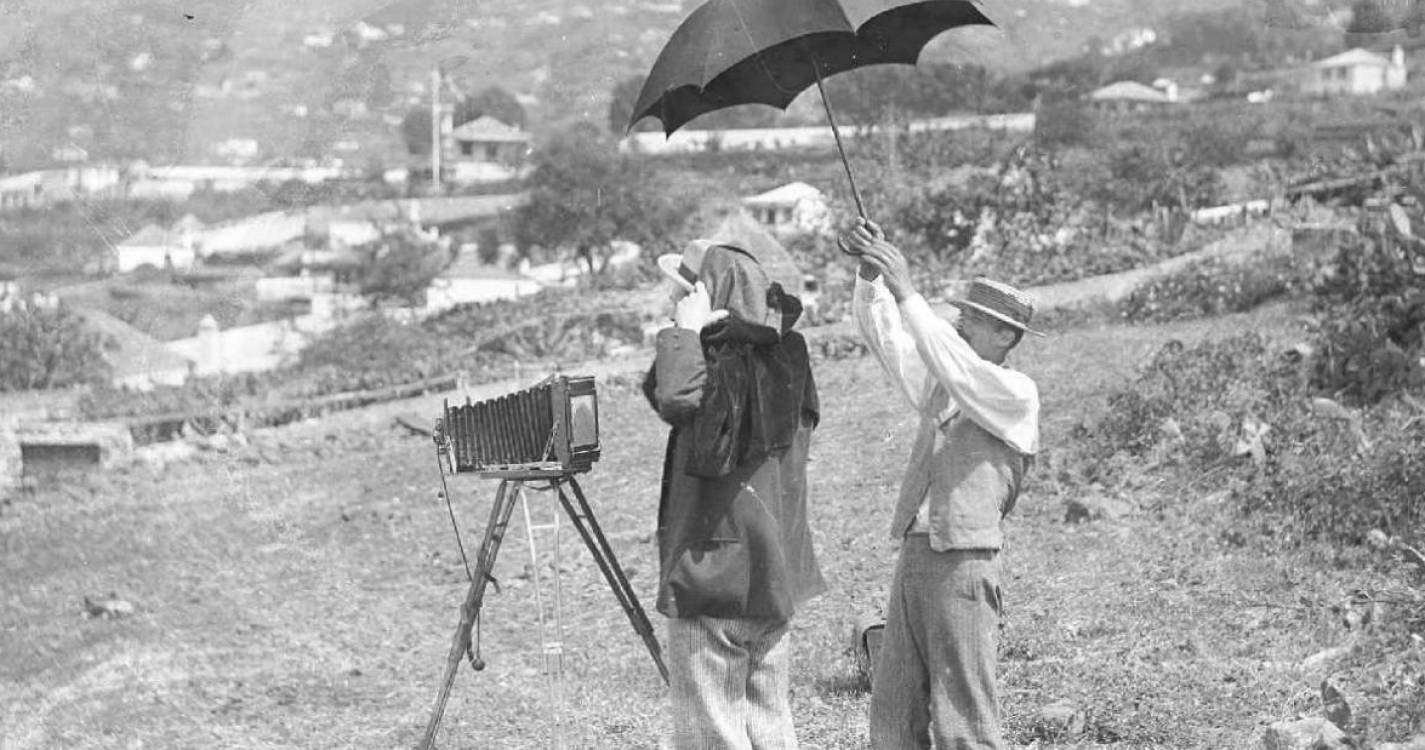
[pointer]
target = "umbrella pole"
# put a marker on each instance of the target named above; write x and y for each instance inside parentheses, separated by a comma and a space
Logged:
(836, 132)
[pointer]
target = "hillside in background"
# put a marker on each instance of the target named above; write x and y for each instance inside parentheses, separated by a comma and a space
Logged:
(333, 78)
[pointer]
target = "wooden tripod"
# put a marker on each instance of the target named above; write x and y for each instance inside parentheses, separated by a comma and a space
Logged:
(578, 510)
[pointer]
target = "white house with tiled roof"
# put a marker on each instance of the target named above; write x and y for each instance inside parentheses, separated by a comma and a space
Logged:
(795, 206)
(154, 246)
(138, 361)
(469, 281)
(487, 139)
(1356, 71)
(1130, 95)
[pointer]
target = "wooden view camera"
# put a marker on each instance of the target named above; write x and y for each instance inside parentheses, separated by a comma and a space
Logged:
(548, 429)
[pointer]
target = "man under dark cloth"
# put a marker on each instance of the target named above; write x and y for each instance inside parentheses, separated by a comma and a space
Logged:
(736, 561)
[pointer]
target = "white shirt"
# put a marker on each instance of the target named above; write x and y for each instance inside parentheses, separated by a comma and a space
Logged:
(918, 349)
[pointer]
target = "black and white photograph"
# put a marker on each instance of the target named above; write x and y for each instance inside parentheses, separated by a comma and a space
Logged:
(712, 374)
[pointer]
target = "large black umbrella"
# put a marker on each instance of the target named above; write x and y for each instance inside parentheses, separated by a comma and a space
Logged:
(730, 52)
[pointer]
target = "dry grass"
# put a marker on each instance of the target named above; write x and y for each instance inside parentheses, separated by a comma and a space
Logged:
(301, 592)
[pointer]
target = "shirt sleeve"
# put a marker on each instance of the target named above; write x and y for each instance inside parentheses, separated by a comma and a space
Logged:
(679, 372)
(1001, 400)
(879, 321)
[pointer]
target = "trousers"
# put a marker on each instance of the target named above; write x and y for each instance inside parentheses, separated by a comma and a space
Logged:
(728, 684)
(935, 674)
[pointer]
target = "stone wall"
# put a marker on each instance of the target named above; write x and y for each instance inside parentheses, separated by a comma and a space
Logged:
(114, 443)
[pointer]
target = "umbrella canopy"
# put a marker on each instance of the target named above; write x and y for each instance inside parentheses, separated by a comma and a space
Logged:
(730, 52)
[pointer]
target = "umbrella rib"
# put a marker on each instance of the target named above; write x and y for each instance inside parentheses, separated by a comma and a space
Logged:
(757, 51)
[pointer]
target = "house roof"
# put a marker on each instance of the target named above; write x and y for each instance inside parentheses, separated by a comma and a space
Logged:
(468, 266)
(149, 236)
(786, 195)
(488, 129)
(21, 181)
(438, 210)
(1353, 57)
(1129, 91)
(297, 256)
(188, 222)
(136, 352)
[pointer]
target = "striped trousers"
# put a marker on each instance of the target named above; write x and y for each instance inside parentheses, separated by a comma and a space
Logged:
(935, 675)
(728, 682)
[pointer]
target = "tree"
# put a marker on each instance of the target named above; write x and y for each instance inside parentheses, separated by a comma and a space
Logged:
(296, 193)
(739, 117)
(1065, 78)
(491, 101)
(865, 96)
(584, 195)
(1140, 65)
(621, 101)
(1231, 33)
(49, 348)
(1368, 17)
(1414, 21)
(379, 91)
(399, 267)
(1225, 76)
(415, 131)
(1064, 123)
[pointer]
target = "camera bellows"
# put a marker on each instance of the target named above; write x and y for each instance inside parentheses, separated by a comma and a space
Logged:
(550, 427)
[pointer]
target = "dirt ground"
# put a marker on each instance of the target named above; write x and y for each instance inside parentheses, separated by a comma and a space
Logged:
(301, 590)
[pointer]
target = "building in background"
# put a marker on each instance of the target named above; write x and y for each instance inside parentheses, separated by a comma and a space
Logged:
(467, 281)
(1129, 96)
(138, 361)
(486, 150)
(794, 207)
(1356, 72)
(46, 187)
(154, 246)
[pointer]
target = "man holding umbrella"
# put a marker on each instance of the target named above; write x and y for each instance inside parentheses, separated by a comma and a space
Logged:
(978, 431)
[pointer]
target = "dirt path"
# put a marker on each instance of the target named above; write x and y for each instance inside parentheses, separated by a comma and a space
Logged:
(1263, 238)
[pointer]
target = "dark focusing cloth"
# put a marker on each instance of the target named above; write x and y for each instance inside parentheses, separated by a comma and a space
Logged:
(740, 397)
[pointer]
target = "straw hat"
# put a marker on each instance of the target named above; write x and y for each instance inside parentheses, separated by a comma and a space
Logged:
(1001, 302)
(684, 267)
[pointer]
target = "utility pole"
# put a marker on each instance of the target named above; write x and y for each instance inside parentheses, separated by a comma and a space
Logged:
(435, 139)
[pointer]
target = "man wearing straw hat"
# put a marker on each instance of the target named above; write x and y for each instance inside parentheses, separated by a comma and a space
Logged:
(736, 560)
(978, 431)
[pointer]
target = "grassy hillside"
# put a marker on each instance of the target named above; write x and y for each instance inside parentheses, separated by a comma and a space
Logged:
(306, 597)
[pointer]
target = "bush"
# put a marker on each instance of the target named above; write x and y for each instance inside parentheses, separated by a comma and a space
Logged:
(1371, 319)
(1063, 124)
(1062, 243)
(1191, 406)
(1336, 488)
(1212, 286)
(373, 351)
(49, 348)
(1239, 414)
(197, 394)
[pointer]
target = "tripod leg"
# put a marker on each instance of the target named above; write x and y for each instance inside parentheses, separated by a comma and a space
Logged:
(474, 597)
(598, 544)
(551, 647)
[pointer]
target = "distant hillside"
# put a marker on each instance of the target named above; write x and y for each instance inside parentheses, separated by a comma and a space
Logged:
(324, 78)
